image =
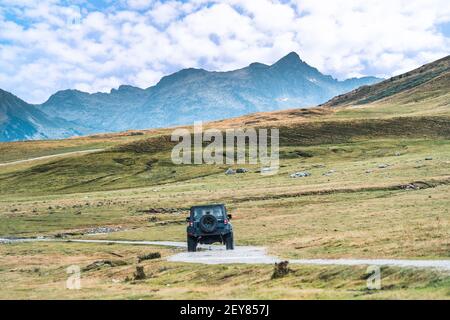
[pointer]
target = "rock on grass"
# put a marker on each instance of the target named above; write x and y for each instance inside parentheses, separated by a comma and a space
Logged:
(101, 263)
(150, 256)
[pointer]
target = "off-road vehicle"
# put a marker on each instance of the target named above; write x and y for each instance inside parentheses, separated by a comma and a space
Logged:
(209, 224)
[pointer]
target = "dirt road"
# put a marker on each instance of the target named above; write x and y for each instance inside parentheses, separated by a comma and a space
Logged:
(50, 156)
(213, 254)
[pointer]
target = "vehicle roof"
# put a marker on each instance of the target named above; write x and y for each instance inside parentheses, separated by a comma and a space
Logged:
(208, 205)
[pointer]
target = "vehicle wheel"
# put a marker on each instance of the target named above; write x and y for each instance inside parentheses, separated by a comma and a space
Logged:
(191, 244)
(229, 243)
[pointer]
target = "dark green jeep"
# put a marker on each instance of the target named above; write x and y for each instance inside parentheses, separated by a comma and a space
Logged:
(209, 224)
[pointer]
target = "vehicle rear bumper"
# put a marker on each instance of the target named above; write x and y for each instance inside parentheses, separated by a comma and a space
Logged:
(211, 238)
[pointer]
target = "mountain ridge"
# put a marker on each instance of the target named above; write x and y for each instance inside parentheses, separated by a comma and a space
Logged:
(403, 88)
(182, 97)
(197, 94)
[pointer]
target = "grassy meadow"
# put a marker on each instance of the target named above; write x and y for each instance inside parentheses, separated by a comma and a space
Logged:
(379, 188)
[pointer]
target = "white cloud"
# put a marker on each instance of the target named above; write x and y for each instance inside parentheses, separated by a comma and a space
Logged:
(269, 16)
(50, 46)
(367, 33)
(144, 77)
(165, 12)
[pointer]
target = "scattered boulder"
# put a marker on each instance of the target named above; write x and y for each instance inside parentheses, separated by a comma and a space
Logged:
(230, 171)
(241, 170)
(429, 158)
(329, 172)
(281, 269)
(397, 154)
(150, 256)
(300, 174)
(410, 186)
(383, 165)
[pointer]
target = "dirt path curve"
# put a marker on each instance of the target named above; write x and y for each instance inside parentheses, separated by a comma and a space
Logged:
(213, 254)
(50, 156)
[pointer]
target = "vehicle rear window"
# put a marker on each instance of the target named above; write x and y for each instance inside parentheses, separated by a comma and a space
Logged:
(216, 211)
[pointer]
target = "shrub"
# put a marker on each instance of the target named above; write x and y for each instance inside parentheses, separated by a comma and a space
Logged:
(281, 269)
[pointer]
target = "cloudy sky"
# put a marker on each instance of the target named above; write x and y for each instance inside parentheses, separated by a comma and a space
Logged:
(93, 46)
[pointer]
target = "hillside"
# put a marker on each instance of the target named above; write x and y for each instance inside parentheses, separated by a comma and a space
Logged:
(429, 84)
(196, 94)
(378, 188)
(98, 112)
(22, 121)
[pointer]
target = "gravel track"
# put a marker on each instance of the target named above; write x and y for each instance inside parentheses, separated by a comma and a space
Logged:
(214, 254)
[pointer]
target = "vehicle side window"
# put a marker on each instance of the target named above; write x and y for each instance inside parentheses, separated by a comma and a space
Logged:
(197, 214)
(218, 213)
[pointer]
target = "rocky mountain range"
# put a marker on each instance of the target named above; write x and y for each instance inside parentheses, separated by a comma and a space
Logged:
(180, 98)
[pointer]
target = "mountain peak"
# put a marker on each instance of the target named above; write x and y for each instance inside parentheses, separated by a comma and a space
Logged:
(290, 58)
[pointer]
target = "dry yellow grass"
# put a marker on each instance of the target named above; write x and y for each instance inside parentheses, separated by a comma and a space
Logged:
(358, 211)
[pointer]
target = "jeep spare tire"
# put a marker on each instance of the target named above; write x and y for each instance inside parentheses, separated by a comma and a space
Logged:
(208, 223)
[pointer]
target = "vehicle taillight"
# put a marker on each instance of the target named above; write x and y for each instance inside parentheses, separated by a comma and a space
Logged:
(225, 221)
(190, 223)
